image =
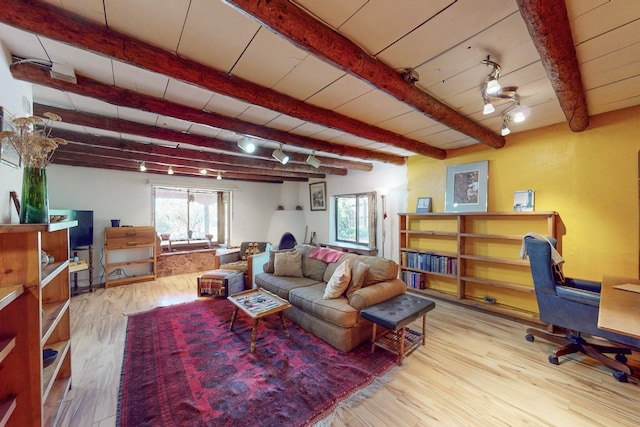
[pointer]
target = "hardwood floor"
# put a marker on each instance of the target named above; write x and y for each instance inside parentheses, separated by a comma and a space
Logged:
(475, 370)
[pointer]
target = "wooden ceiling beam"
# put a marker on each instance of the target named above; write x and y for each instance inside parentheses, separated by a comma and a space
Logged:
(127, 98)
(310, 34)
(103, 151)
(53, 22)
(330, 165)
(197, 159)
(70, 159)
(548, 25)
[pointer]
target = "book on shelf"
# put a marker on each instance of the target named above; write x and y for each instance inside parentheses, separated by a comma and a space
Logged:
(430, 262)
(414, 279)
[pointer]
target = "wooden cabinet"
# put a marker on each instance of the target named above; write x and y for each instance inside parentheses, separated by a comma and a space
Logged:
(129, 247)
(34, 316)
(473, 258)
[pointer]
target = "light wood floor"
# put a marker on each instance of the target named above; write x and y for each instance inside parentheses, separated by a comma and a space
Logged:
(475, 370)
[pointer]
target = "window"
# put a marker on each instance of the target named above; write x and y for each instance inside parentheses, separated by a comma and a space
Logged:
(356, 219)
(191, 214)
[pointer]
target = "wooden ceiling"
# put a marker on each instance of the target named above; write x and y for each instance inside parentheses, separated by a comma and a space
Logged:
(179, 84)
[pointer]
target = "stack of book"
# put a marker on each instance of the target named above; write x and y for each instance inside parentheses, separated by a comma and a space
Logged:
(414, 279)
(430, 262)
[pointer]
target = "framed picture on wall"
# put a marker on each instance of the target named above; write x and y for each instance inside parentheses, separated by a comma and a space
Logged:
(424, 205)
(8, 154)
(466, 189)
(318, 196)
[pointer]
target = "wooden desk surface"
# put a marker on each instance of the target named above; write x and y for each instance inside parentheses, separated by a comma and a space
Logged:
(619, 309)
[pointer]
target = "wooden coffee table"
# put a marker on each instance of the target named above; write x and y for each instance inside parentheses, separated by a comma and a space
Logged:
(257, 303)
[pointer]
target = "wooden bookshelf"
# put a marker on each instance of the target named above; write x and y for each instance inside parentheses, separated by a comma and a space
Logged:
(477, 260)
(128, 239)
(34, 315)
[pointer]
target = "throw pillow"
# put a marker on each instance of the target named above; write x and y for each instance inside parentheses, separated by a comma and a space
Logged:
(288, 264)
(338, 282)
(269, 267)
(358, 273)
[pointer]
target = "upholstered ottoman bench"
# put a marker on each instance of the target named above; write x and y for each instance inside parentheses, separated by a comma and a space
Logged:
(394, 315)
(220, 283)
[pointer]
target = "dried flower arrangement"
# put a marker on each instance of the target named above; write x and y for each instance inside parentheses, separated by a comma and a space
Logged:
(32, 139)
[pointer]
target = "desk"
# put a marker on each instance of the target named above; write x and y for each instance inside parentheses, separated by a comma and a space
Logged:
(619, 309)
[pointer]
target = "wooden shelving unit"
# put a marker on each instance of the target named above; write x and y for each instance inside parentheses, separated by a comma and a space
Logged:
(473, 258)
(34, 315)
(125, 239)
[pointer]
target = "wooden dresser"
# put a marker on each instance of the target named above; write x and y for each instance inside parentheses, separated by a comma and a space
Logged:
(138, 246)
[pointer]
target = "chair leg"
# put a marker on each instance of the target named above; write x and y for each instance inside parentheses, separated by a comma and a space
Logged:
(609, 349)
(557, 339)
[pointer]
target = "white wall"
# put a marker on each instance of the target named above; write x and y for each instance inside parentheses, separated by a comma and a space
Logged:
(384, 176)
(15, 97)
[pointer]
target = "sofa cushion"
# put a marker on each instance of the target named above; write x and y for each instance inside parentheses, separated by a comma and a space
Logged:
(288, 264)
(377, 293)
(326, 254)
(338, 282)
(336, 311)
(269, 267)
(281, 286)
(331, 267)
(358, 274)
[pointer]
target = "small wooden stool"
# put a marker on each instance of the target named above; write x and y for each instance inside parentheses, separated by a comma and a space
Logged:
(394, 315)
(220, 283)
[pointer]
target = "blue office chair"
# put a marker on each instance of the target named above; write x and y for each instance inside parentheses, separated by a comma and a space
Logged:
(572, 304)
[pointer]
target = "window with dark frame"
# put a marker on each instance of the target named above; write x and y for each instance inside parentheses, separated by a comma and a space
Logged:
(353, 218)
(191, 214)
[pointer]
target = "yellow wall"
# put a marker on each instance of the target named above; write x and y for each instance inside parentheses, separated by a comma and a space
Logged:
(589, 178)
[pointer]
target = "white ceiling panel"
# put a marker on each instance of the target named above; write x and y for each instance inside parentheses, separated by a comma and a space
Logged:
(226, 106)
(380, 23)
(54, 97)
(140, 116)
(139, 80)
(340, 92)
(450, 28)
(285, 123)
(204, 130)
(267, 59)
(157, 22)
(407, 123)
(258, 115)
(307, 78)
(591, 24)
(21, 43)
(90, 9)
(332, 12)
(93, 106)
(187, 94)
(215, 34)
(173, 124)
(373, 107)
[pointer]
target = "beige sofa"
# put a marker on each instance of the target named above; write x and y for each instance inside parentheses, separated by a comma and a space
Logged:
(337, 320)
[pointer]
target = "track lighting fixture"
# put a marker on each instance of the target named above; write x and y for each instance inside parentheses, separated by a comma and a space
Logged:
(280, 155)
(219, 177)
(493, 86)
(143, 167)
(247, 145)
(170, 170)
(313, 161)
(493, 92)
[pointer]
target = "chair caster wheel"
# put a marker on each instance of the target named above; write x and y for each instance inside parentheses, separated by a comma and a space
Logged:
(621, 358)
(553, 360)
(620, 376)
(529, 337)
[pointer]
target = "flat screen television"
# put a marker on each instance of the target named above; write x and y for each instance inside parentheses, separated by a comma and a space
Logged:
(81, 235)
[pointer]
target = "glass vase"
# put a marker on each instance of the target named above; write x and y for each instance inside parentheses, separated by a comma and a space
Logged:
(34, 206)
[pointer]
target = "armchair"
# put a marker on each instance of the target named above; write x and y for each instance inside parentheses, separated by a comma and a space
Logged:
(248, 258)
(572, 304)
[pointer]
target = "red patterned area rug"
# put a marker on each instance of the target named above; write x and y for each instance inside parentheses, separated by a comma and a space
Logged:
(183, 367)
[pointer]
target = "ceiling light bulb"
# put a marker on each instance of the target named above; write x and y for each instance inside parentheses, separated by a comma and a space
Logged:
(203, 171)
(170, 170)
(488, 108)
(493, 87)
(518, 115)
(313, 161)
(280, 155)
(219, 177)
(247, 145)
(504, 130)
(143, 167)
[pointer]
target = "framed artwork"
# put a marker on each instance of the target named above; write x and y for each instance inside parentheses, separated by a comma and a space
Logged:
(8, 154)
(318, 196)
(424, 205)
(466, 189)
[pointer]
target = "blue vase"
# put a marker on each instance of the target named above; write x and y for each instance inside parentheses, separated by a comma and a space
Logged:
(34, 206)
